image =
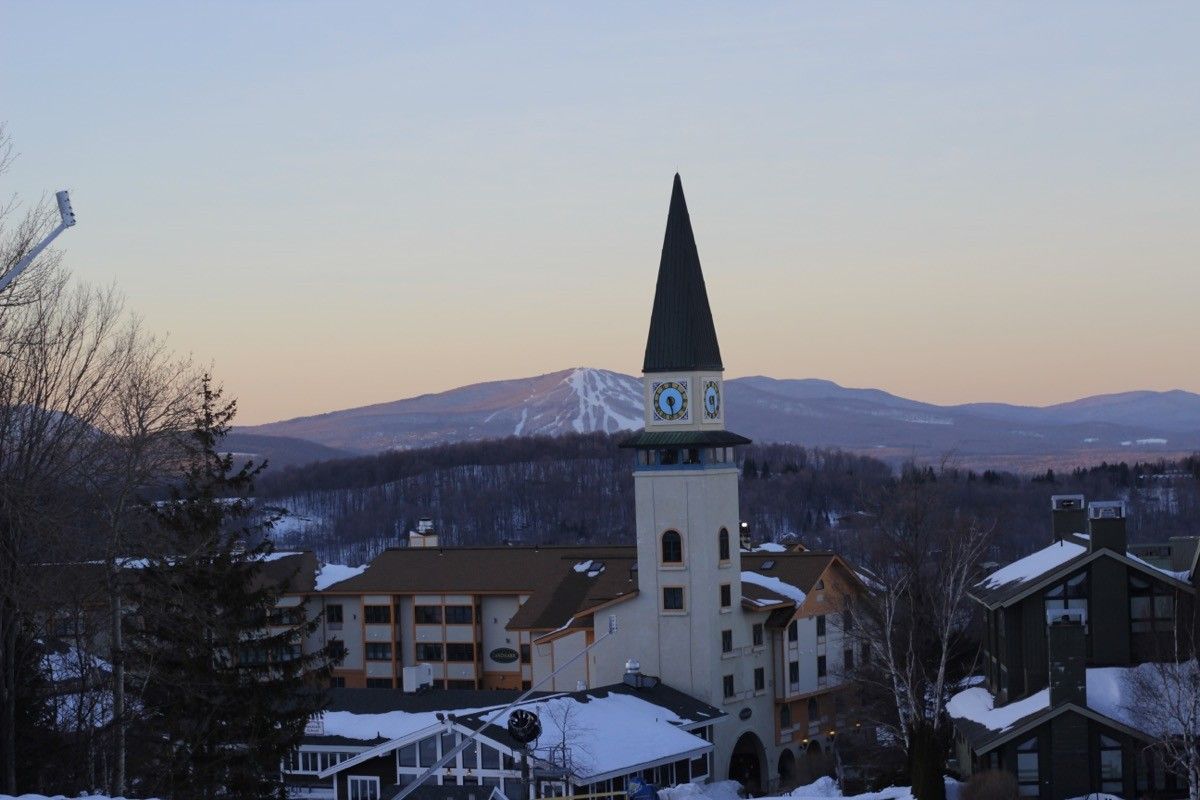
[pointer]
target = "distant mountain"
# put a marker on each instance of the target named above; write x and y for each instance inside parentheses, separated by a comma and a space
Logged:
(811, 412)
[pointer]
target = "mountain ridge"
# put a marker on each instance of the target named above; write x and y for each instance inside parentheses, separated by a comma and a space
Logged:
(811, 411)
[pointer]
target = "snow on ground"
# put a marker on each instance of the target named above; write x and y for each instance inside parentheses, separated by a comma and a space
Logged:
(329, 574)
(821, 789)
(59, 797)
(775, 585)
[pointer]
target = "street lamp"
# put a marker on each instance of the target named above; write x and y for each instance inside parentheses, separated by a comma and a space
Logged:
(66, 220)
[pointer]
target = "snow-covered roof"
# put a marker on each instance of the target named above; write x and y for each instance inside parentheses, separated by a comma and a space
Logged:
(775, 585)
(1034, 565)
(329, 574)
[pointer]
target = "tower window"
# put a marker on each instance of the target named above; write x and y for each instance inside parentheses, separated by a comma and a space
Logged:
(726, 596)
(726, 641)
(760, 679)
(727, 686)
(672, 548)
(723, 545)
(673, 598)
(757, 634)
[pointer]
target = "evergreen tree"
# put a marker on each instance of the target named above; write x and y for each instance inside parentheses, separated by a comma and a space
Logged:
(224, 687)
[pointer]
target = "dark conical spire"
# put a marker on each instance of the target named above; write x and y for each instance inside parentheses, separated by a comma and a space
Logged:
(682, 336)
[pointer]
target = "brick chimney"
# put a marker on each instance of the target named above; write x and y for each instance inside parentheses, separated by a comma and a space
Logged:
(1067, 646)
(1106, 524)
(1068, 515)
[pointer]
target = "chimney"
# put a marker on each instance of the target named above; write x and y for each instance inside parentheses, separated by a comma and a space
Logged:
(1068, 515)
(1106, 524)
(1183, 552)
(635, 678)
(1067, 647)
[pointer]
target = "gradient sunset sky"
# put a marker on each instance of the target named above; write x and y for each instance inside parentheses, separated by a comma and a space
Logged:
(348, 203)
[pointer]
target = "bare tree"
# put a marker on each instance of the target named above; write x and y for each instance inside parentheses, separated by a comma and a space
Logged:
(1164, 699)
(914, 624)
(565, 741)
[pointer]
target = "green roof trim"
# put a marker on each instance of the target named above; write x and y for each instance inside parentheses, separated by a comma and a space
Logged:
(682, 335)
(652, 439)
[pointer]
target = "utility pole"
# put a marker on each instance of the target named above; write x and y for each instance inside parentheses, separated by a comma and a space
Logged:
(67, 219)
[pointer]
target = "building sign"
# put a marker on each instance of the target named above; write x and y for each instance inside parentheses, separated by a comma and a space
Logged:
(315, 725)
(745, 713)
(504, 655)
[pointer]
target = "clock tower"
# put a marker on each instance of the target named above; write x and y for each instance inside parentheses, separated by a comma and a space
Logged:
(686, 483)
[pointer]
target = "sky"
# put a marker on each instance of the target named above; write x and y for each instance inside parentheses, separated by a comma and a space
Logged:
(338, 204)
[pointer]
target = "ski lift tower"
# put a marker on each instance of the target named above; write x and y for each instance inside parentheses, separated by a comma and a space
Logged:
(66, 220)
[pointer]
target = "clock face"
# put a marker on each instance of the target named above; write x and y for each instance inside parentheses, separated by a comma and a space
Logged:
(712, 400)
(670, 401)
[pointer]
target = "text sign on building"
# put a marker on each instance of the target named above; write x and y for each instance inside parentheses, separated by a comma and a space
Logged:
(315, 725)
(504, 655)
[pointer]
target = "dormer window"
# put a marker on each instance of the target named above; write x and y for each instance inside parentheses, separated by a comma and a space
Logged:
(768, 564)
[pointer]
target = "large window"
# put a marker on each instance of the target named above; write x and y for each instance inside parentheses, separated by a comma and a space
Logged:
(429, 651)
(727, 686)
(379, 651)
(726, 595)
(756, 634)
(363, 788)
(333, 614)
(458, 615)
(1071, 594)
(1028, 779)
(1151, 606)
(672, 548)
(672, 598)
(459, 651)
(428, 615)
(723, 545)
(1111, 769)
(377, 615)
(726, 641)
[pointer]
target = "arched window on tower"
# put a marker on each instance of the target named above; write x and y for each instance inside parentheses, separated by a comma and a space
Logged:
(723, 545)
(672, 548)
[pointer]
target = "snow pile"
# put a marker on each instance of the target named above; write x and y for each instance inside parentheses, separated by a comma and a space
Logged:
(329, 574)
(823, 789)
(775, 585)
(1034, 565)
(60, 797)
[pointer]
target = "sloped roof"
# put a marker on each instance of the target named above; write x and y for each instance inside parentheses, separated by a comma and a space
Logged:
(1015, 581)
(709, 438)
(682, 335)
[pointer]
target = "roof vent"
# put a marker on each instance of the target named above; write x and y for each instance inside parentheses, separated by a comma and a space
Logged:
(632, 667)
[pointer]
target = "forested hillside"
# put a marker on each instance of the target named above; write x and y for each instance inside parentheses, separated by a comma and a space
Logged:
(579, 488)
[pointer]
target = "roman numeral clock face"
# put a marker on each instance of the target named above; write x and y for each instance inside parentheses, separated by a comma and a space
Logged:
(670, 401)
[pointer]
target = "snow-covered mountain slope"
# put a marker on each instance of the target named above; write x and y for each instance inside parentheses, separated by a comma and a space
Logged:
(571, 401)
(811, 412)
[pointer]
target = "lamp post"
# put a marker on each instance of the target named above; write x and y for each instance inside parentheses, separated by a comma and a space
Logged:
(66, 220)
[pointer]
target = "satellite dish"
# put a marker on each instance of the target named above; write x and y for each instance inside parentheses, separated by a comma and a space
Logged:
(524, 726)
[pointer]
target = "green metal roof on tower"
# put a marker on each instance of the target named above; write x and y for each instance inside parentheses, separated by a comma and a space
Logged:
(682, 335)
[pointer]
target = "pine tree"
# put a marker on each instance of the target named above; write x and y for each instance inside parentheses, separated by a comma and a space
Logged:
(222, 682)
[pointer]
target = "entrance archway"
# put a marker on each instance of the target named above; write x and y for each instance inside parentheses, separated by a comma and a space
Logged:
(747, 765)
(787, 769)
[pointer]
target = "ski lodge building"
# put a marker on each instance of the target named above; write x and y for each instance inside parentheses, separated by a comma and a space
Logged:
(742, 647)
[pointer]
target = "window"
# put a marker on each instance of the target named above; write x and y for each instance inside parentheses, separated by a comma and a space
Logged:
(336, 649)
(767, 565)
(526, 655)
(363, 788)
(379, 651)
(727, 686)
(427, 615)
(1151, 606)
(489, 757)
(672, 548)
(723, 545)
(1028, 782)
(456, 651)
(726, 641)
(673, 598)
(760, 679)
(848, 659)
(793, 672)
(821, 626)
(427, 751)
(379, 683)
(726, 596)
(785, 716)
(407, 756)
(1070, 594)
(333, 613)
(757, 634)
(1111, 770)
(337, 682)
(429, 651)
(793, 631)
(377, 615)
(814, 712)
(458, 615)
(821, 670)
